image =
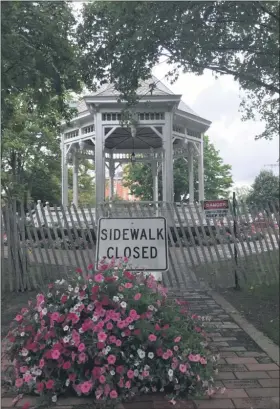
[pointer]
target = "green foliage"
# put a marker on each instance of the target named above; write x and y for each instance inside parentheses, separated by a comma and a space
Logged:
(39, 55)
(264, 189)
(122, 41)
(30, 153)
(217, 176)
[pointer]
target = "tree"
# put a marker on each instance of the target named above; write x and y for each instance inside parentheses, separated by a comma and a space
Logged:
(217, 177)
(30, 152)
(242, 193)
(122, 41)
(264, 189)
(39, 55)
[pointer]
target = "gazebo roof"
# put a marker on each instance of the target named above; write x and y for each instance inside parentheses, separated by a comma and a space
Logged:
(108, 90)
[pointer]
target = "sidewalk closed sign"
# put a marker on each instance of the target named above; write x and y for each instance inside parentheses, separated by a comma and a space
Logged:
(142, 240)
(216, 208)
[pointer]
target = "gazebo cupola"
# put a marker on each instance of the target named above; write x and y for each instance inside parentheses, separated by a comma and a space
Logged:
(164, 128)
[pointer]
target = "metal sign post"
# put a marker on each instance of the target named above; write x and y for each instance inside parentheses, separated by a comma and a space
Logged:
(143, 241)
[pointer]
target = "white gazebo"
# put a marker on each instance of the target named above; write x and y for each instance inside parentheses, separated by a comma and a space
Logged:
(164, 128)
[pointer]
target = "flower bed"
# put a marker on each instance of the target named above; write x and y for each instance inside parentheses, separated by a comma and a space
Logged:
(112, 335)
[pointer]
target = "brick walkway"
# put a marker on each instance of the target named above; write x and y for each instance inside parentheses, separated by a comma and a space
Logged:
(250, 377)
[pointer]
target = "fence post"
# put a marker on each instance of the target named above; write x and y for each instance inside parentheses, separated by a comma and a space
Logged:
(236, 280)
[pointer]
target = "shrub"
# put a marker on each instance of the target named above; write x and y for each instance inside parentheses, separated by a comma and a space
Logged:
(112, 335)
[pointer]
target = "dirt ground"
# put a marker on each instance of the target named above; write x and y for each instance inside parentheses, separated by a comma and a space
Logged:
(260, 306)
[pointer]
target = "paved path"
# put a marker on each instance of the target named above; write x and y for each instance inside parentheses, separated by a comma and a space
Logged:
(250, 376)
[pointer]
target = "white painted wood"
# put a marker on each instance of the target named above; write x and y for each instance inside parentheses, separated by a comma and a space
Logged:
(111, 176)
(201, 172)
(99, 160)
(167, 175)
(64, 174)
(154, 166)
(191, 173)
(75, 178)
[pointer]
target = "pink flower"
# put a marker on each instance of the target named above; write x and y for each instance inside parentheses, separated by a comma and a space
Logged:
(40, 299)
(41, 363)
(19, 382)
(102, 337)
(194, 358)
(66, 365)
(27, 378)
(86, 387)
(137, 296)
(182, 368)
(19, 318)
(152, 337)
(82, 357)
(90, 267)
(55, 354)
(111, 359)
(145, 374)
(128, 384)
(79, 270)
(176, 348)
(99, 278)
(102, 379)
(55, 316)
(130, 374)
(113, 394)
(118, 343)
(119, 369)
(109, 326)
(23, 369)
(128, 285)
(203, 361)
(177, 339)
(81, 347)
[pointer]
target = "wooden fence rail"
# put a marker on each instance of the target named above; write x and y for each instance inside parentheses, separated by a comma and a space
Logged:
(42, 243)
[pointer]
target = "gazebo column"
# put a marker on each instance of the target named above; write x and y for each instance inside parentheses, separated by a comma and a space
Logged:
(167, 166)
(64, 174)
(75, 178)
(154, 165)
(99, 160)
(111, 177)
(191, 173)
(201, 172)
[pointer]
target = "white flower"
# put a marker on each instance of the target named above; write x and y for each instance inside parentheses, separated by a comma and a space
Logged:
(141, 353)
(76, 289)
(120, 296)
(67, 383)
(22, 334)
(141, 377)
(49, 295)
(57, 281)
(123, 304)
(136, 372)
(108, 348)
(66, 328)
(38, 372)
(131, 327)
(81, 331)
(151, 307)
(112, 372)
(123, 334)
(66, 339)
(146, 367)
(54, 398)
(90, 281)
(170, 373)
(44, 311)
(116, 299)
(36, 316)
(24, 352)
(62, 281)
(151, 355)
(70, 288)
(94, 318)
(90, 307)
(28, 359)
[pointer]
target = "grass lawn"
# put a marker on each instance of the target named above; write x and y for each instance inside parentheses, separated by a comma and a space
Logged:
(260, 306)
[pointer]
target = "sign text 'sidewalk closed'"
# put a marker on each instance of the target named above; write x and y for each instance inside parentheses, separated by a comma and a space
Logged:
(142, 240)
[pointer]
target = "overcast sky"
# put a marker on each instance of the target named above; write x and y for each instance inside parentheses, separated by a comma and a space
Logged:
(218, 101)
